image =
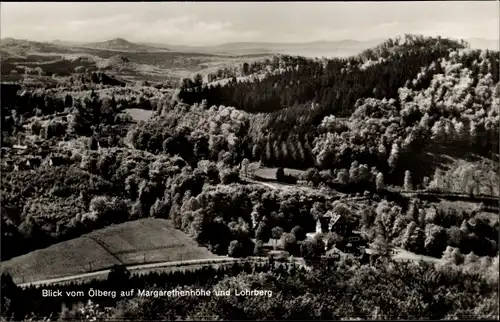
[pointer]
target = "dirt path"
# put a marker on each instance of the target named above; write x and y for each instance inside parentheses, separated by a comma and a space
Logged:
(132, 268)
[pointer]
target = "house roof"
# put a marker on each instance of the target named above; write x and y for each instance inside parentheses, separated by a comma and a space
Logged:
(333, 250)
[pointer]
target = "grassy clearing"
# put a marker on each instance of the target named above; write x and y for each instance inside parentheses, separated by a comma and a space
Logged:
(150, 240)
(75, 256)
(270, 173)
(139, 114)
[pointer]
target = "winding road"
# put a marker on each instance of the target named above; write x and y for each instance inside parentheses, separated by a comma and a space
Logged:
(73, 278)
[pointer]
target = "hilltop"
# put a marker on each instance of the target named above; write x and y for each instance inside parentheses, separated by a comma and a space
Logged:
(23, 47)
(120, 44)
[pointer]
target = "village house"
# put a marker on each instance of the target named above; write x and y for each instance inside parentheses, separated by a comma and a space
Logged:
(20, 149)
(33, 162)
(56, 160)
(353, 241)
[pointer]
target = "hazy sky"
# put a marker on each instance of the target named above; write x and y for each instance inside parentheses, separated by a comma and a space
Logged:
(197, 23)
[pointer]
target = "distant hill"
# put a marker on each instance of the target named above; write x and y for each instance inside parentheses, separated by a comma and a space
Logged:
(23, 47)
(483, 43)
(120, 44)
(337, 48)
(318, 48)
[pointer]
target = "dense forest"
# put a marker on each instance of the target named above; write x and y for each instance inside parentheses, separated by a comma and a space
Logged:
(405, 98)
(333, 290)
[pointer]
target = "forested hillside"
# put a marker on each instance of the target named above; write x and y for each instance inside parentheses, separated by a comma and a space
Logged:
(406, 97)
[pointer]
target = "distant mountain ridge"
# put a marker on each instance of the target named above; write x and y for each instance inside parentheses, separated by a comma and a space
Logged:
(21, 47)
(11, 47)
(483, 43)
(120, 44)
(316, 48)
(344, 47)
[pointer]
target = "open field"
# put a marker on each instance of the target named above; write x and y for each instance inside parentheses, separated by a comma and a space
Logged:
(270, 173)
(134, 242)
(154, 239)
(400, 254)
(139, 114)
(75, 256)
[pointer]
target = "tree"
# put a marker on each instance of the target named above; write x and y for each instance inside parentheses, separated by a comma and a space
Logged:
(198, 80)
(367, 216)
(99, 205)
(118, 277)
(332, 239)
(382, 247)
(186, 83)
(259, 248)
(280, 174)
(382, 151)
(298, 232)
(398, 228)
(317, 210)
(455, 237)
(414, 238)
(393, 157)
(452, 255)
(465, 227)
(256, 152)
(288, 242)
(198, 226)
(228, 176)
(262, 232)
(310, 249)
(244, 166)
(380, 182)
(8, 295)
(245, 69)
(235, 249)
(137, 210)
(354, 172)
(36, 127)
(471, 258)
(93, 143)
(435, 239)
(276, 232)
(408, 185)
(438, 131)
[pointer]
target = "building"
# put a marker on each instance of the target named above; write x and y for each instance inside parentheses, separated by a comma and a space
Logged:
(57, 160)
(330, 222)
(19, 147)
(333, 253)
(279, 254)
(33, 162)
(353, 242)
(319, 229)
